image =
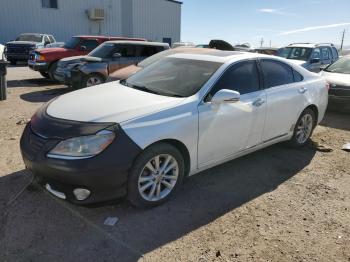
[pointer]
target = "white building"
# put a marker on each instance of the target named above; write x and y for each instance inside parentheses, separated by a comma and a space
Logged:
(156, 20)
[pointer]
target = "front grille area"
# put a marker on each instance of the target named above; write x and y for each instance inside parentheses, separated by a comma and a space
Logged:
(19, 49)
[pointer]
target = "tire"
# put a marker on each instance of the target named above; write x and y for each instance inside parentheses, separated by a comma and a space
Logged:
(45, 74)
(52, 70)
(92, 80)
(142, 181)
(303, 130)
(13, 62)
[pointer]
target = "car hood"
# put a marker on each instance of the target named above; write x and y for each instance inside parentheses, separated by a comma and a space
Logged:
(55, 50)
(23, 43)
(336, 78)
(83, 58)
(110, 102)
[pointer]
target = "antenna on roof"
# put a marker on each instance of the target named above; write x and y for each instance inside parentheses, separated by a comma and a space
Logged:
(342, 40)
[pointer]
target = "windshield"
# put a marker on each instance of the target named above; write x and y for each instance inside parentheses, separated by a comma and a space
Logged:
(173, 77)
(30, 38)
(103, 51)
(342, 66)
(72, 43)
(154, 58)
(297, 53)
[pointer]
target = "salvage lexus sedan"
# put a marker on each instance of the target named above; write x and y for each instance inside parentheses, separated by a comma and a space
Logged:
(185, 113)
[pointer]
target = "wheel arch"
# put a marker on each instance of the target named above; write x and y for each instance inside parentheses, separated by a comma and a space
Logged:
(179, 146)
(314, 108)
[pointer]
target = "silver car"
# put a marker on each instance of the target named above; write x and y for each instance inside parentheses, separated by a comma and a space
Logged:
(94, 68)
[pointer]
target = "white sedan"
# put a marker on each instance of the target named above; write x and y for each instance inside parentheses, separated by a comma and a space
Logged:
(181, 115)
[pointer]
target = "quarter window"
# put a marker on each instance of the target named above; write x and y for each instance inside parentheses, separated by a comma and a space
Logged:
(297, 76)
(242, 77)
(90, 44)
(49, 4)
(276, 73)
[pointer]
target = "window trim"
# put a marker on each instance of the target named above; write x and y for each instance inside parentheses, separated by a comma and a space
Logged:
(44, 7)
(205, 96)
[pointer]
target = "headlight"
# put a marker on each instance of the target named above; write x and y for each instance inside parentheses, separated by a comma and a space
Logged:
(74, 65)
(82, 147)
(39, 57)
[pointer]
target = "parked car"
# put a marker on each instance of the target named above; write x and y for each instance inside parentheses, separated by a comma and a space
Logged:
(338, 76)
(45, 60)
(313, 57)
(266, 50)
(183, 114)
(93, 69)
(128, 71)
(20, 49)
(179, 44)
(2, 54)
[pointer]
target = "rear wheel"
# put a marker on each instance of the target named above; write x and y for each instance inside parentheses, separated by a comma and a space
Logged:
(303, 128)
(45, 74)
(155, 176)
(93, 80)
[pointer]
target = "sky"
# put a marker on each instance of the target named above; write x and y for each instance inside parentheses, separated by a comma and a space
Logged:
(280, 21)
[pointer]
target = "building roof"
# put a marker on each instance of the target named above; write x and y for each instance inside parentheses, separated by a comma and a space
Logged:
(174, 1)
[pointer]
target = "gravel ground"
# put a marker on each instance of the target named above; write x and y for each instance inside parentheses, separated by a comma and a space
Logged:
(278, 204)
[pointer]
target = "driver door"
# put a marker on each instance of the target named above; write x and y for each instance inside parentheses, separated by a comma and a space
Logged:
(228, 128)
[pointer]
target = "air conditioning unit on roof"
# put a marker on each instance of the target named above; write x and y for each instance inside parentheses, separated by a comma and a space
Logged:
(96, 14)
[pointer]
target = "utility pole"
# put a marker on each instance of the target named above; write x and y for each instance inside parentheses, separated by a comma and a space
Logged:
(261, 42)
(342, 40)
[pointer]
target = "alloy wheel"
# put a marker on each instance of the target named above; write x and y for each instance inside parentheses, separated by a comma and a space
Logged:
(158, 177)
(93, 80)
(304, 128)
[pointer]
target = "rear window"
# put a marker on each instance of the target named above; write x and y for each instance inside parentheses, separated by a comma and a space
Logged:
(30, 38)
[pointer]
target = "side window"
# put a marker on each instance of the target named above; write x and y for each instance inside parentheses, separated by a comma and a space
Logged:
(52, 40)
(276, 73)
(46, 39)
(242, 77)
(324, 53)
(316, 54)
(297, 76)
(127, 50)
(90, 44)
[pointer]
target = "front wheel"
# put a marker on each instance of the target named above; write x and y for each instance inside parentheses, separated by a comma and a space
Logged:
(45, 74)
(93, 80)
(303, 128)
(155, 175)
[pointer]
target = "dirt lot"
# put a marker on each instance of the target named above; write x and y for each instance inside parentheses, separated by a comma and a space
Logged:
(278, 204)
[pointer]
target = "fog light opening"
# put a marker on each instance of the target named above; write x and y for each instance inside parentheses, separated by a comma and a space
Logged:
(81, 193)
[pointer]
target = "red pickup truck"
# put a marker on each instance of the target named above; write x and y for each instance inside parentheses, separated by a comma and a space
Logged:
(45, 60)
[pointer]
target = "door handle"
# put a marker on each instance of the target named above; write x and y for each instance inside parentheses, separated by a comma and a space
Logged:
(258, 102)
(302, 90)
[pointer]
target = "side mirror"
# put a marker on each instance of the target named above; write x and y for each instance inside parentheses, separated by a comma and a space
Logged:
(117, 55)
(226, 96)
(83, 48)
(315, 60)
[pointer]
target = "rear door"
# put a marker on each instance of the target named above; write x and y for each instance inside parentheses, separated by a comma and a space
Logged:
(229, 128)
(128, 57)
(285, 92)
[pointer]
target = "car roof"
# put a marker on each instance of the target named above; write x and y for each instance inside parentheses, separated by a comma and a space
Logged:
(310, 45)
(109, 37)
(137, 43)
(217, 56)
